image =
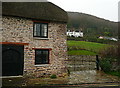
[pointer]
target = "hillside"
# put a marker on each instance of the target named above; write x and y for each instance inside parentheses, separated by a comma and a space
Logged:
(85, 48)
(91, 25)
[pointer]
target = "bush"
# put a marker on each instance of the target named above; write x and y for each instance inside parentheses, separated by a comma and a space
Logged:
(109, 56)
(75, 38)
(105, 64)
(110, 52)
(115, 73)
(53, 76)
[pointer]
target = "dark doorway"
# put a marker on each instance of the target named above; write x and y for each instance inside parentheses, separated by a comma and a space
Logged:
(12, 60)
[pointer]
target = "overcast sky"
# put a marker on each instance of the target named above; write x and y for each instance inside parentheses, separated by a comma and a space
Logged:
(107, 9)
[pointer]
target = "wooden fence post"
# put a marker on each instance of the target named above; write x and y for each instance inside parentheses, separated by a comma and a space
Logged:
(74, 64)
(97, 62)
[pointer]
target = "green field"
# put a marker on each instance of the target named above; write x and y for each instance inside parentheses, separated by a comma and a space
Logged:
(84, 48)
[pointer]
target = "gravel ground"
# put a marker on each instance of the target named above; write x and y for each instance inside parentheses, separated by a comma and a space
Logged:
(90, 76)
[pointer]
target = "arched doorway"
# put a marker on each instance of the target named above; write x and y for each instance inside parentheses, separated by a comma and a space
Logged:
(12, 60)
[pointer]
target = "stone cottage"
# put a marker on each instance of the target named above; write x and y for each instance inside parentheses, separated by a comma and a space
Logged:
(33, 39)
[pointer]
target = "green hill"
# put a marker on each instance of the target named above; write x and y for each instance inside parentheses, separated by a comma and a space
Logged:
(91, 25)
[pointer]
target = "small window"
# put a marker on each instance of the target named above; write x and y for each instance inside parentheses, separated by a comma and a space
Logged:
(40, 30)
(41, 56)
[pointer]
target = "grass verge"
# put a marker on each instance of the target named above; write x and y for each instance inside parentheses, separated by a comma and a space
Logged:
(115, 73)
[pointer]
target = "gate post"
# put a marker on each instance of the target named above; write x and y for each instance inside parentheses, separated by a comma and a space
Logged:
(74, 64)
(97, 62)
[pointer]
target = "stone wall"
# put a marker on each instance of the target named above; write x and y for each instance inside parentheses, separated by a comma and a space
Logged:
(21, 30)
(86, 62)
(81, 62)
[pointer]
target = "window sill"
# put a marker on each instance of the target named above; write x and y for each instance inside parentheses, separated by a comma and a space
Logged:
(41, 65)
(41, 38)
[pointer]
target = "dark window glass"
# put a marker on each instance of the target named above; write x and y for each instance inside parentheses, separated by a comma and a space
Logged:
(41, 56)
(41, 30)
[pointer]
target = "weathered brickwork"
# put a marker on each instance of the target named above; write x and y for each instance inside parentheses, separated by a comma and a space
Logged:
(21, 30)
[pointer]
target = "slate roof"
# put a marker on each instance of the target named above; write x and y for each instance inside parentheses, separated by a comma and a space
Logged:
(35, 10)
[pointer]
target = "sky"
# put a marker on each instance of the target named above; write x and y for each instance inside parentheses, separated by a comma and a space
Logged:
(107, 9)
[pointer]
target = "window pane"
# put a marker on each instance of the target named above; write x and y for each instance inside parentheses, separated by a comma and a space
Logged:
(38, 52)
(44, 30)
(37, 29)
(45, 56)
(40, 30)
(42, 57)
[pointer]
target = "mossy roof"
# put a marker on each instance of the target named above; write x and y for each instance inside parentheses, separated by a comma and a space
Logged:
(35, 10)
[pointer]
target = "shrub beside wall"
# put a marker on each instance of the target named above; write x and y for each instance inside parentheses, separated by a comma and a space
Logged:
(110, 59)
